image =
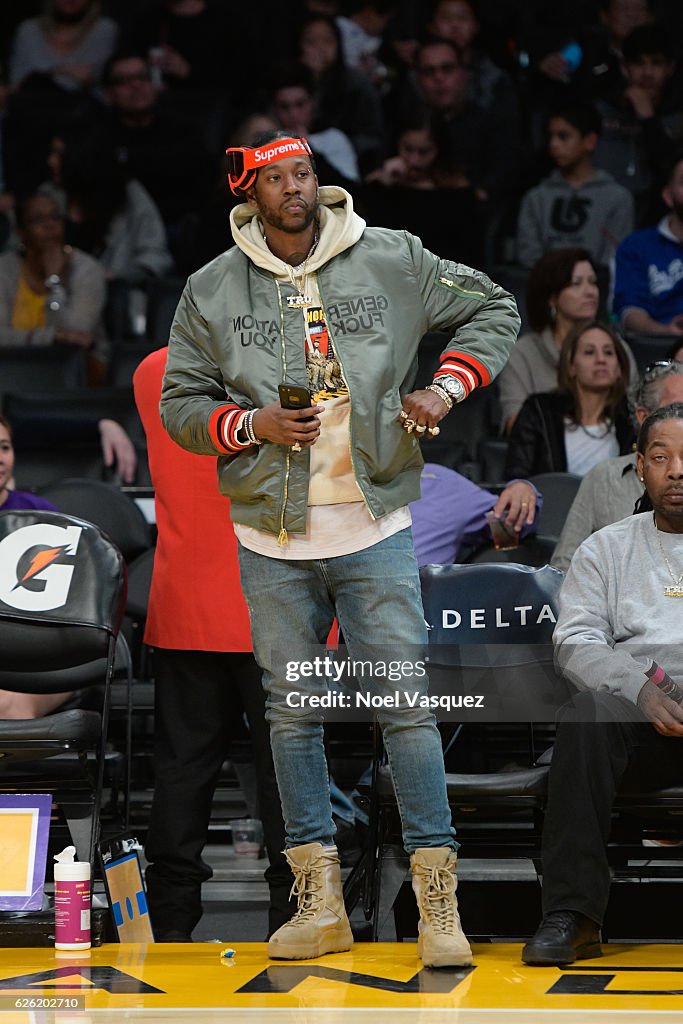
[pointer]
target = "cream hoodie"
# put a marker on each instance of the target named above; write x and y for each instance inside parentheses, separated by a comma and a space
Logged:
(332, 480)
(340, 228)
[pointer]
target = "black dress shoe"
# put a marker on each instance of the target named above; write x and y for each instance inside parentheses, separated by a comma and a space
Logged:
(562, 937)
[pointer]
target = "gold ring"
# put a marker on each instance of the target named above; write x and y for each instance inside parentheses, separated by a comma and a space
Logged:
(434, 431)
(403, 415)
(409, 425)
(420, 428)
(296, 447)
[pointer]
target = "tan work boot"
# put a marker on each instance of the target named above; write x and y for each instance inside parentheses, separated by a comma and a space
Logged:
(441, 942)
(320, 924)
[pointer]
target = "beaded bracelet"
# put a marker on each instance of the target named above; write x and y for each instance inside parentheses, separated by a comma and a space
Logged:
(249, 428)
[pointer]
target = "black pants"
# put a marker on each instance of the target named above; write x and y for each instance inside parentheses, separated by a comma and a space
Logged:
(603, 743)
(199, 698)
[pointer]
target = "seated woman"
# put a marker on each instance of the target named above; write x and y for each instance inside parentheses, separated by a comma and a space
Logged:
(69, 41)
(345, 98)
(107, 214)
(418, 162)
(562, 290)
(21, 705)
(11, 499)
(51, 293)
(586, 419)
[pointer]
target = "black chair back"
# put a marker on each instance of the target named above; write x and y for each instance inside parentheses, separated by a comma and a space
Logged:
(108, 507)
(533, 550)
(559, 491)
(490, 631)
(649, 348)
(62, 593)
(56, 367)
(491, 603)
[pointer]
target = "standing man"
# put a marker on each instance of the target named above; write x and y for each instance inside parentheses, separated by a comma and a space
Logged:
(319, 495)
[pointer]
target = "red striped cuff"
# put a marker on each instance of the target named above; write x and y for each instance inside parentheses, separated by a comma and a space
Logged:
(468, 370)
(224, 425)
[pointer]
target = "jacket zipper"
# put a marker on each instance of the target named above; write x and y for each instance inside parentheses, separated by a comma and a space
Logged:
(341, 363)
(282, 538)
(463, 291)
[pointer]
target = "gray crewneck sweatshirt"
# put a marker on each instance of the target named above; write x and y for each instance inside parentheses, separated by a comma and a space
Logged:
(614, 619)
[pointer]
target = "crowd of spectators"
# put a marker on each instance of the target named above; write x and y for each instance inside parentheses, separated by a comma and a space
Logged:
(536, 140)
(505, 133)
(491, 94)
(540, 135)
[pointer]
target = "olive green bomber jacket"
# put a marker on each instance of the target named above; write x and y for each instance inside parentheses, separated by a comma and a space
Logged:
(234, 339)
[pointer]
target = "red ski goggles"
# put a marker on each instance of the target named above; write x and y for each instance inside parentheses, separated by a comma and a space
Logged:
(244, 163)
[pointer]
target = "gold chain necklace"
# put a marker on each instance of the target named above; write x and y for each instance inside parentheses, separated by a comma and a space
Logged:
(301, 300)
(677, 589)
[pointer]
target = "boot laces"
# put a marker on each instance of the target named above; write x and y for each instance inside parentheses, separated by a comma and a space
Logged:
(307, 888)
(439, 898)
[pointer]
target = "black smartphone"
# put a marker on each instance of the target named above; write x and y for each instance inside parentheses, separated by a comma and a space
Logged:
(294, 396)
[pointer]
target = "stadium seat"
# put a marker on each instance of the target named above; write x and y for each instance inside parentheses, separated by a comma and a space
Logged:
(481, 636)
(559, 491)
(649, 348)
(51, 368)
(62, 598)
(107, 507)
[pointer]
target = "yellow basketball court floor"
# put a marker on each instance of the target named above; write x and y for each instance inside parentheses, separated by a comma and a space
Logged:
(381, 983)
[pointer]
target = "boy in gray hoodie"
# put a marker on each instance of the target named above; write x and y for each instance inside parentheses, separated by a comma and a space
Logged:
(576, 205)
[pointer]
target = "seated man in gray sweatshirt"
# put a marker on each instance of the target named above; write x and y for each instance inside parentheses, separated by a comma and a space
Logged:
(576, 205)
(619, 640)
(610, 490)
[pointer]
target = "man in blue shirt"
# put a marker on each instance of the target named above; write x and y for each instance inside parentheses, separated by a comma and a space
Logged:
(648, 289)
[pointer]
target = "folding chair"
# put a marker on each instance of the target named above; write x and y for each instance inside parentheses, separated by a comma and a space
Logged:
(559, 491)
(62, 600)
(533, 550)
(114, 512)
(53, 367)
(163, 295)
(470, 611)
(50, 427)
(648, 348)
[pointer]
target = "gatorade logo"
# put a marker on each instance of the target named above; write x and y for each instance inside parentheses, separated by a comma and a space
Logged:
(37, 565)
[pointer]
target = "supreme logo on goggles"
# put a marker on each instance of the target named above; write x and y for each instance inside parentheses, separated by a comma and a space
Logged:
(244, 163)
